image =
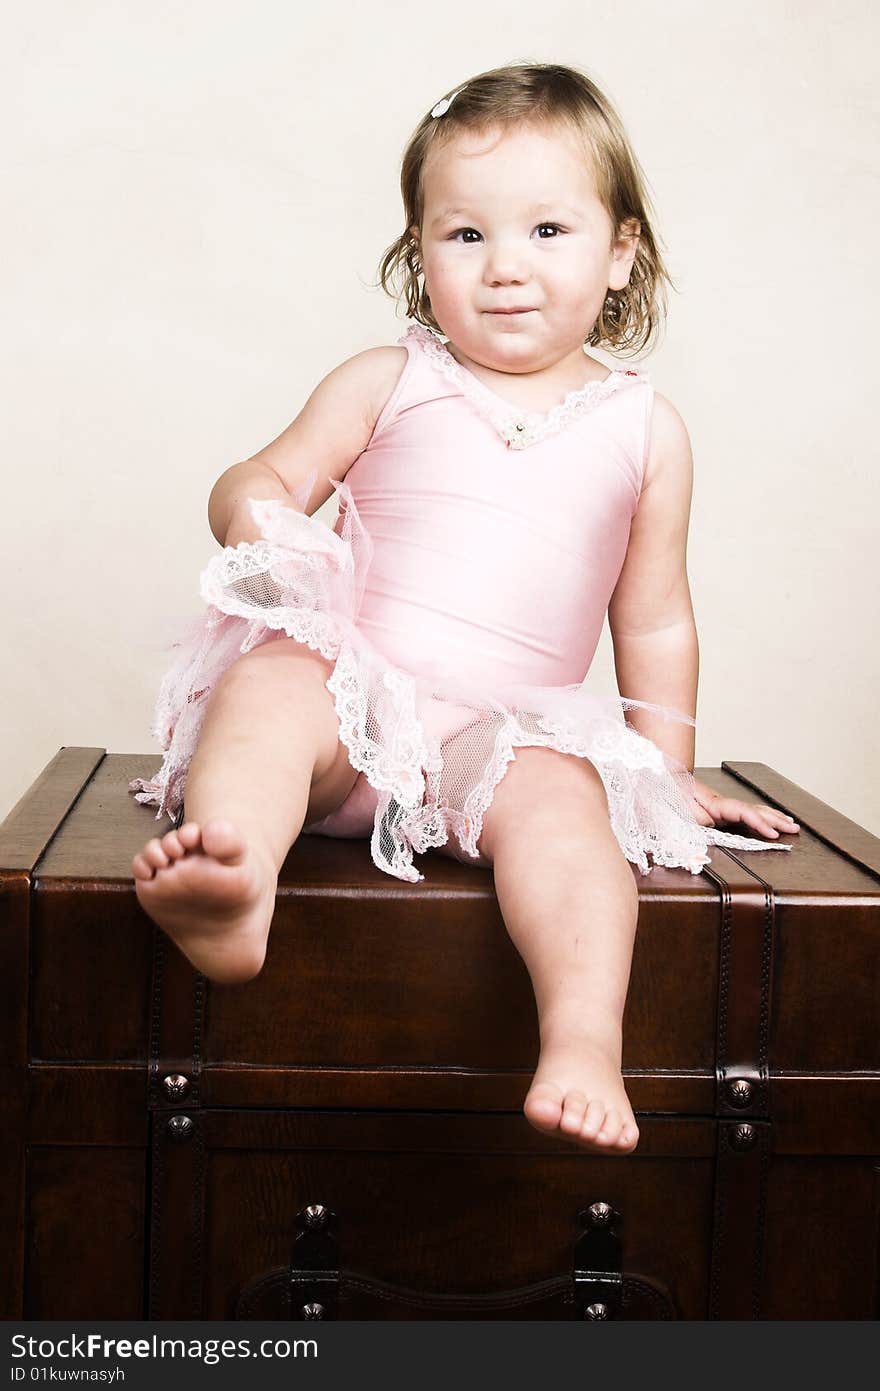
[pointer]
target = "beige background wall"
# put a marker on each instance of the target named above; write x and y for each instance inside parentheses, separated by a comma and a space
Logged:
(196, 201)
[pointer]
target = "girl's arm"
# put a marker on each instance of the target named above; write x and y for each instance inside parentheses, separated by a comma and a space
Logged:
(331, 431)
(656, 652)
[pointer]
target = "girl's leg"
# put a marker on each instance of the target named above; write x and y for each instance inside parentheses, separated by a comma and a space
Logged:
(269, 760)
(570, 903)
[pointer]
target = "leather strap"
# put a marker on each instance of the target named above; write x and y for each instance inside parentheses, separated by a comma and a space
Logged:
(742, 1086)
(178, 1148)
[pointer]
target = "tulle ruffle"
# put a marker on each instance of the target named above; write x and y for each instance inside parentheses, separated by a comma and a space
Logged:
(433, 749)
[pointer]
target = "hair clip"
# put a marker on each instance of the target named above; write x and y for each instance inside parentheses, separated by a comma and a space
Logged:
(443, 106)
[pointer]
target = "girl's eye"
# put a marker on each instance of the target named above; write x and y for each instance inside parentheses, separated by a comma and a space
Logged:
(541, 225)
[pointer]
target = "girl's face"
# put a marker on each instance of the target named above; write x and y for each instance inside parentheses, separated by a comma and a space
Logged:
(512, 220)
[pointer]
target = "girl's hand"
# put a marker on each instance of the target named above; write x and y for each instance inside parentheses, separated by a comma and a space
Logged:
(711, 809)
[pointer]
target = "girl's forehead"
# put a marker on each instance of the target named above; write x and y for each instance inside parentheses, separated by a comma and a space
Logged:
(472, 158)
(510, 142)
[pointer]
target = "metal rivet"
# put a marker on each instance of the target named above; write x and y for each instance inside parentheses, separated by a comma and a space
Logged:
(739, 1092)
(316, 1216)
(743, 1137)
(176, 1086)
(180, 1127)
(599, 1214)
(596, 1311)
(313, 1311)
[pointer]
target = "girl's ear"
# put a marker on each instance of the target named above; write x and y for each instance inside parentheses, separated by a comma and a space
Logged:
(623, 253)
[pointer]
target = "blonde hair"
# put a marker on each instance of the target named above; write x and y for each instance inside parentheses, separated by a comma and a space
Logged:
(532, 94)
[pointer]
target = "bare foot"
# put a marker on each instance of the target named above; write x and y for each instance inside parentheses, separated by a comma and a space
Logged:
(577, 1093)
(212, 894)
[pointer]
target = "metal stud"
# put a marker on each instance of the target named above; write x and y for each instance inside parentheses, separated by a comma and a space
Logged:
(316, 1216)
(180, 1127)
(313, 1311)
(599, 1214)
(743, 1137)
(596, 1311)
(176, 1086)
(739, 1092)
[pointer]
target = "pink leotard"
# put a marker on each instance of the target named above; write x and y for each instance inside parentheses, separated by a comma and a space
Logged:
(459, 615)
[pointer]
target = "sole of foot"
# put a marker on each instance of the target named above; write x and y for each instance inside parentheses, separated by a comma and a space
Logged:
(578, 1094)
(212, 894)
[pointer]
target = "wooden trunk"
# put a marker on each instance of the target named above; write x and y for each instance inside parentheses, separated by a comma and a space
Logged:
(343, 1136)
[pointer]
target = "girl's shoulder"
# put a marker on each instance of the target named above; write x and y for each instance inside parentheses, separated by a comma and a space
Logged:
(387, 363)
(372, 376)
(385, 367)
(669, 445)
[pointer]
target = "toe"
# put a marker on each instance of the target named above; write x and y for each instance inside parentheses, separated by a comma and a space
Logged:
(593, 1119)
(573, 1112)
(543, 1104)
(172, 846)
(628, 1137)
(190, 835)
(220, 838)
(141, 869)
(611, 1127)
(155, 855)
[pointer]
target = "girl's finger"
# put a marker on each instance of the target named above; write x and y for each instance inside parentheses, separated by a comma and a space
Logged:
(751, 816)
(777, 820)
(733, 811)
(703, 814)
(764, 824)
(768, 821)
(727, 809)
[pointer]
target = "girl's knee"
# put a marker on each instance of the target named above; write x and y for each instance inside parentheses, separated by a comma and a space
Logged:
(547, 797)
(562, 769)
(277, 693)
(560, 784)
(282, 661)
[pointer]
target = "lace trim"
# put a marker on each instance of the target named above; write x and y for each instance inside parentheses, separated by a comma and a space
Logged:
(227, 585)
(305, 581)
(518, 428)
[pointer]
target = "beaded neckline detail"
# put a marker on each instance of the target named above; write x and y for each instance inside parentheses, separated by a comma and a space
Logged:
(518, 428)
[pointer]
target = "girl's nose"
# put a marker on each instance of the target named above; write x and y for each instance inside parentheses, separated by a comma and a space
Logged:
(504, 264)
(504, 271)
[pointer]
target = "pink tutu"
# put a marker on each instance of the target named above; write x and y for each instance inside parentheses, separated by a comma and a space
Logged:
(431, 747)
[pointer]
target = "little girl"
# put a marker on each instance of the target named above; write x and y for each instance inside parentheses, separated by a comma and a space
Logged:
(417, 674)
